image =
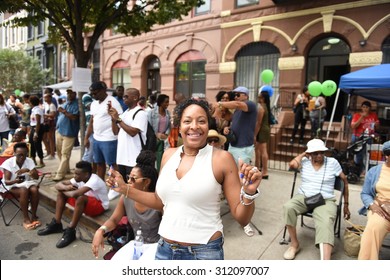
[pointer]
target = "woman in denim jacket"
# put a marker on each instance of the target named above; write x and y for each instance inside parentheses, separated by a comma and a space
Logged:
(376, 186)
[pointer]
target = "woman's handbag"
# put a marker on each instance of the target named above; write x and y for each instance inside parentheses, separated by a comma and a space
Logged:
(231, 137)
(314, 201)
(13, 122)
(352, 237)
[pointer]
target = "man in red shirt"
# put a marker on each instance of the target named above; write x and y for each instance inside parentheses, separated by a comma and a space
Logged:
(363, 122)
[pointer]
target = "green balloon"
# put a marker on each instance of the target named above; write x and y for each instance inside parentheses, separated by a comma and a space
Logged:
(267, 75)
(315, 88)
(328, 87)
(17, 92)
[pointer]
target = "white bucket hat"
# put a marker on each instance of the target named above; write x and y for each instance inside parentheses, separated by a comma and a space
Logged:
(316, 145)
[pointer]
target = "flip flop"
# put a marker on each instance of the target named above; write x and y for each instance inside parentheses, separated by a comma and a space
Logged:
(29, 226)
(36, 223)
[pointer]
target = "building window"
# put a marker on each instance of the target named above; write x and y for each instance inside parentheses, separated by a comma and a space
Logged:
(243, 3)
(30, 32)
(40, 29)
(191, 74)
(64, 64)
(386, 50)
(39, 57)
(251, 60)
(121, 74)
(203, 9)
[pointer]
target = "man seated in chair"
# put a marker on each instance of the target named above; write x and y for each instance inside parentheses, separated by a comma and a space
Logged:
(318, 175)
(86, 192)
(20, 178)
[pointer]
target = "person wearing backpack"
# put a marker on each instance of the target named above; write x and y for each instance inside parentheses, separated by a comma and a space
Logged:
(160, 119)
(127, 126)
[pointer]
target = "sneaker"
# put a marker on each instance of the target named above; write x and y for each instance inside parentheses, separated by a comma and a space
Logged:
(53, 227)
(248, 230)
(49, 157)
(68, 237)
(291, 141)
(112, 194)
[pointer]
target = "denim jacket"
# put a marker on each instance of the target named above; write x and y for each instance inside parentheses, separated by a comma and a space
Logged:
(368, 193)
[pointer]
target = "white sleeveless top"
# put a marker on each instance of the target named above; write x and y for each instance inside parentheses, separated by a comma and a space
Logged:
(191, 204)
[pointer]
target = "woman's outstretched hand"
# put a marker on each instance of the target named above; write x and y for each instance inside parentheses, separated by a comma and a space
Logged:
(250, 177)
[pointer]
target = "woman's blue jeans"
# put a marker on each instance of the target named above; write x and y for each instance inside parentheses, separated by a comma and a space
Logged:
(210, 251)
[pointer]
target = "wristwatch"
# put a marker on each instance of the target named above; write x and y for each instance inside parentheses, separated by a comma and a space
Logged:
(118, 120)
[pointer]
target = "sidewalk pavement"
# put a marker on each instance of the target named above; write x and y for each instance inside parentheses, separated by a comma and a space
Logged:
(267, 219)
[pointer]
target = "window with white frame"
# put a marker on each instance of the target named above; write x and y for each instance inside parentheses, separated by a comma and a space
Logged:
(203, 9)
(243, 3)
(64, 64)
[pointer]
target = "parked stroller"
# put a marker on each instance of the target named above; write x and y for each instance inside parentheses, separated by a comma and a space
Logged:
(346, 158)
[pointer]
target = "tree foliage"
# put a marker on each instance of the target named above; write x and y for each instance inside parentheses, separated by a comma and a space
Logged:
(20, 71)
(73, 19)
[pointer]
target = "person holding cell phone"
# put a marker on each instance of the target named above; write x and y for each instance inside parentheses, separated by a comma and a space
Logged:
(105, 141)
(20, 178)
(86, 192)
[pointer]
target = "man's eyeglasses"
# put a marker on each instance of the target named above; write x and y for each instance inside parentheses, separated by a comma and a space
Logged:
(211, 140)
(132, 179)
(317, 153)
(238, 94)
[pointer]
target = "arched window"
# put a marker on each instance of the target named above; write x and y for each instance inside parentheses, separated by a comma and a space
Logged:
(251, 60)
(190, 73)
(121, 74)
(386, 50)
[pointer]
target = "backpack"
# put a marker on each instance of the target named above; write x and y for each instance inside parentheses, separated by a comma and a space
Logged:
(119, 237)
(151, 139)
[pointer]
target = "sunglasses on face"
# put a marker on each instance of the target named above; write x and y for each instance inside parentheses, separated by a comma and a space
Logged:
(317, 153)
(211, 140)
(238, 94)
(133, 179)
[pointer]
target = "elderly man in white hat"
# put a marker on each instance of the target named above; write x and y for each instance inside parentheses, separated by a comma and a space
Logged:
(318, 175)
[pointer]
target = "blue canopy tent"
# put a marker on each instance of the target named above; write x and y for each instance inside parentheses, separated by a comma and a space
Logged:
(372, 83)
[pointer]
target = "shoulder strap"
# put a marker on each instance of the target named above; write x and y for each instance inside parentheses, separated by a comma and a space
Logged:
(139, 133)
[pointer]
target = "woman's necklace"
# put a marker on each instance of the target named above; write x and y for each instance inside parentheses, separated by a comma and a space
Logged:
(190, 155)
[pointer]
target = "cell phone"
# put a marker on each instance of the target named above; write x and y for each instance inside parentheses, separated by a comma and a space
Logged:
(109, 105)
(111, 174)
(22, 177)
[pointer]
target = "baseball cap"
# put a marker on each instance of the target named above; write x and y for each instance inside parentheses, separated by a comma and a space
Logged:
(241, 89)
(98, 85)
(386, 148)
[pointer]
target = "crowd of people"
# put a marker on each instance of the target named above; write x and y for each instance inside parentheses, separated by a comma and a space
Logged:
(160, 191)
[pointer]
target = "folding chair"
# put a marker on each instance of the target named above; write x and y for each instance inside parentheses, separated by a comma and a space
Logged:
(8, 197)
(374, 155)
(339, 187)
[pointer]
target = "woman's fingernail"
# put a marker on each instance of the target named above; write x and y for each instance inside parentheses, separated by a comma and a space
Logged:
(241, 175)
(250, 182)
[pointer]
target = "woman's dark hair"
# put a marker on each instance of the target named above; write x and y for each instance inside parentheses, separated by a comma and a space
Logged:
(305, 88)
(34, 100)
(85, 166)
(219, 95)
(265, 96)
(22, 145)
(161, 98)
(2, 102)
(178, 112)
(145, 162)
(26, 96)
(366, 103)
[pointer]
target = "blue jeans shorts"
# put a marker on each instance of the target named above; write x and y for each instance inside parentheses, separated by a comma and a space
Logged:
(104, 151)
(210, 251)
(88, 153)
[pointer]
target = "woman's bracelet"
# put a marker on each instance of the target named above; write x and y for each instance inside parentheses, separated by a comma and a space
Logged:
(243, 202)
(127, 192)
